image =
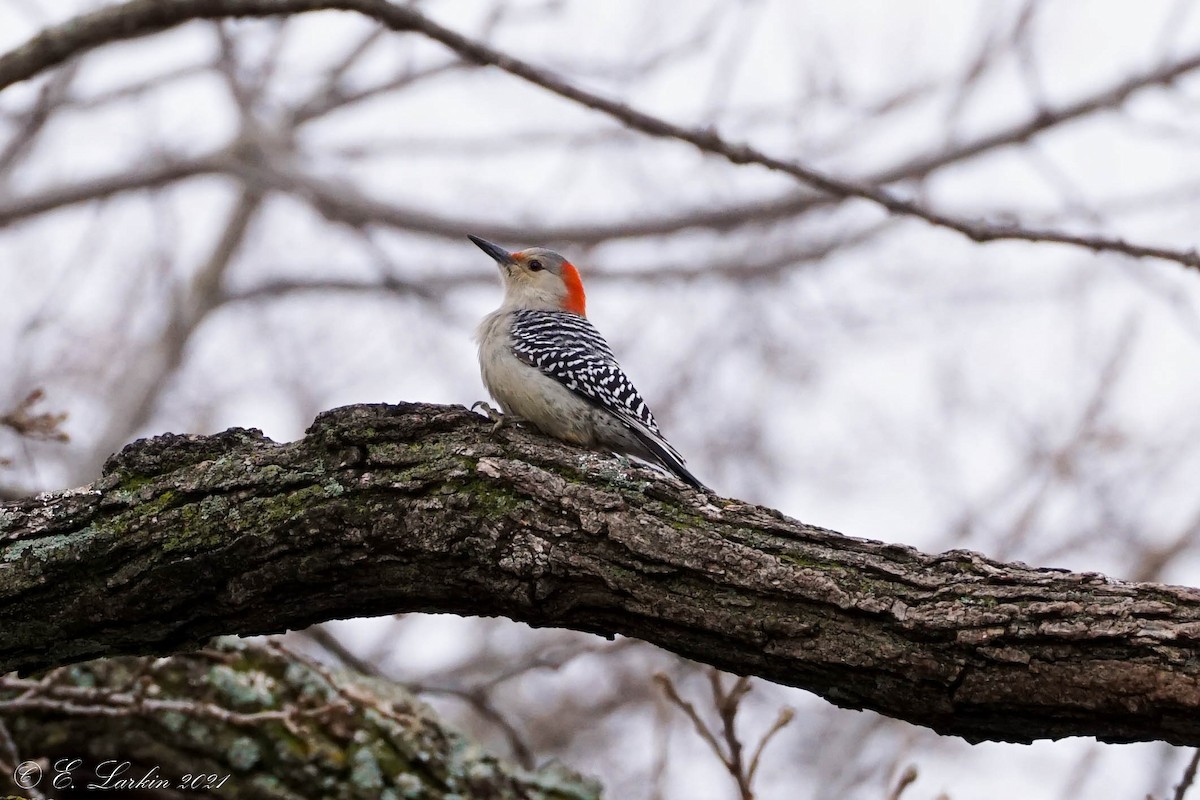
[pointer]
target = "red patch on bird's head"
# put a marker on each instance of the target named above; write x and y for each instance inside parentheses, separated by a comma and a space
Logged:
(575, 301)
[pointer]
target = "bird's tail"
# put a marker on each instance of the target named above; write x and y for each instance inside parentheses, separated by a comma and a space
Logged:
(664, 455)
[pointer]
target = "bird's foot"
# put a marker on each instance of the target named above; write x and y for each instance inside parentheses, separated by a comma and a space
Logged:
(498, 419)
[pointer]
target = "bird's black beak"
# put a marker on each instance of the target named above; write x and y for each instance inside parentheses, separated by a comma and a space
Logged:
(502, 256)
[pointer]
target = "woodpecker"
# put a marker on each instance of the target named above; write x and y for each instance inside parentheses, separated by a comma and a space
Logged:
(544, 362)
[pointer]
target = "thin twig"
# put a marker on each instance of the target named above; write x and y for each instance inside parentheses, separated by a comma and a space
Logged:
(46, 426)
(10, 759)
(907, 778)
(687, 708)
(323, 637)
(786, 715)
(1189, 776)
(479, 702)
(97, 702)
(727, 702)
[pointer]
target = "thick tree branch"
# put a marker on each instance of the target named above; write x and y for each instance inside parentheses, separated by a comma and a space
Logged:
(140, 17)
(382, 509)
(263, 723)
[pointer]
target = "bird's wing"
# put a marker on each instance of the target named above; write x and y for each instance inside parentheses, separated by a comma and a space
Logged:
(568, 348)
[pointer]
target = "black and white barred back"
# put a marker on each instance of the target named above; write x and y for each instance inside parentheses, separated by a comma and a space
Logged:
(568, 348)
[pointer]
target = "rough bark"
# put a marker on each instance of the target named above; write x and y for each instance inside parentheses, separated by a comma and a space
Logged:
(242, 720)
(383, 509)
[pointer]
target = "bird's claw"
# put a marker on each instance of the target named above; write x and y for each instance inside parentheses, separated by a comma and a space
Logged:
(498, 419)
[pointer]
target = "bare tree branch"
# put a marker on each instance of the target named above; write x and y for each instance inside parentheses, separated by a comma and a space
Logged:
(15, 209)
(402, 508)
(742, 270)
(50, 96)
(141, 17)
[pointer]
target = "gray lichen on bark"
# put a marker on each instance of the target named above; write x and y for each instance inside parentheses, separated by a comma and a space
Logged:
(260, 723)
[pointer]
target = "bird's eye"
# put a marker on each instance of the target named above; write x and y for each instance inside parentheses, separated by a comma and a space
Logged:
(535, 266)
